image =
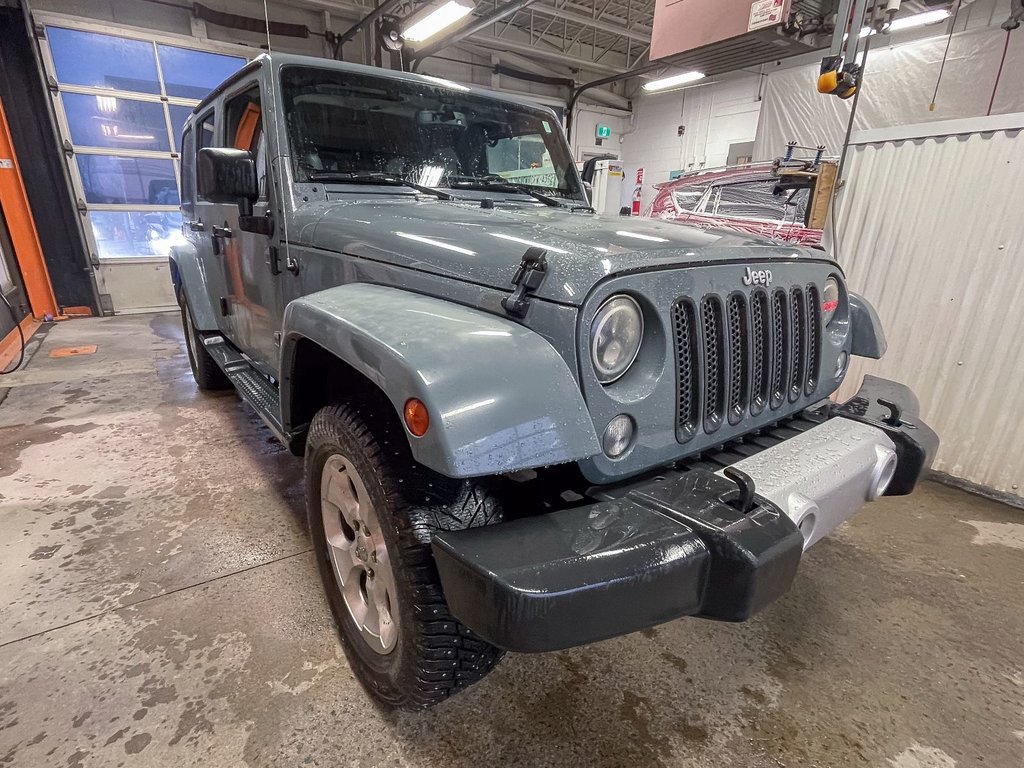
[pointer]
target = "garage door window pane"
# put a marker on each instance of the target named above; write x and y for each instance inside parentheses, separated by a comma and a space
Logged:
(193, 74)
(128, 180)
(6, 283)
(105, 121)
(104, 61)
(132, 234)
(178, 117)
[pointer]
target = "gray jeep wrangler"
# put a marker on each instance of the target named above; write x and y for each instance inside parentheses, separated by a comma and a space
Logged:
(525, 427)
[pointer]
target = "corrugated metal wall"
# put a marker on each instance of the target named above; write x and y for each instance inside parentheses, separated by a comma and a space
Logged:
(931, 230)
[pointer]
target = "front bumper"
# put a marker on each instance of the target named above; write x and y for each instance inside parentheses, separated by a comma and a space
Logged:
(688, 542)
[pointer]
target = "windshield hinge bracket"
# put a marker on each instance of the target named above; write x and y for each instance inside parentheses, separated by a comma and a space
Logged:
(528, 278)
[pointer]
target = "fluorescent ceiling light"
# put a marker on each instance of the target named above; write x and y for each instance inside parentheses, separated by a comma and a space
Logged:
(673, 81)
(424, 24)
(909, 22)
(919, 19)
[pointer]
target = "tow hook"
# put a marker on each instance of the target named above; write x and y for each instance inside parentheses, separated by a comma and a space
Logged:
(895, 417)
(745, 483)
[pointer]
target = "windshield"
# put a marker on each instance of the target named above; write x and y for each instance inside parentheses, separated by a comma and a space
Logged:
(350, 124)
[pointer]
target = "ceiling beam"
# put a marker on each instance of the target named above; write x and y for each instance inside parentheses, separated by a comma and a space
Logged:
(549, 54)
(595, 95)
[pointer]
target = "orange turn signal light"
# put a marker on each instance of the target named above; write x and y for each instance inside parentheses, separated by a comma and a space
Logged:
(417, 418)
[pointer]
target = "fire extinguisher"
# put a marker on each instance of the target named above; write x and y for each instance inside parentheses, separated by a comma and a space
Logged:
(638, 190)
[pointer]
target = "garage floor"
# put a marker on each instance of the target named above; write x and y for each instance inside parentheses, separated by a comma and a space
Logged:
(159, 606)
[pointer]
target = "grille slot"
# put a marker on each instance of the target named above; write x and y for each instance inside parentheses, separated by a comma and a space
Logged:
(684, 321)
(715, 359)
(798, 329)
(761, 359)
(744, 354)
(739, 357)
(780, 350)
(813, 339)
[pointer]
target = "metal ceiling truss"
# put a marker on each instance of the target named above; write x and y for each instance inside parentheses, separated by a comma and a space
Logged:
(611, 32)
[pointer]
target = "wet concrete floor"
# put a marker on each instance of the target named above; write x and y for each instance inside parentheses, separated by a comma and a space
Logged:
(159, 606)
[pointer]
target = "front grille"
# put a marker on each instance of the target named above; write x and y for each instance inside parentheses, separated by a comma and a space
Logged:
(738, 356)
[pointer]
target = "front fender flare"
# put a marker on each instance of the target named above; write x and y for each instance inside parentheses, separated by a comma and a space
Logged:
(190, 281)
(500, 397)
(868, 337)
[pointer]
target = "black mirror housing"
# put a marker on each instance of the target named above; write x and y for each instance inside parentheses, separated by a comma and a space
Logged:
(227, 176)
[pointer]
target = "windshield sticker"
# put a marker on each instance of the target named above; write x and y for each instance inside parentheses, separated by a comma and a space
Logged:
(547, 126)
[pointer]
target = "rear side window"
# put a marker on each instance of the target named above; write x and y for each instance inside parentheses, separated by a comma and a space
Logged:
(204, 131)
(188, 170)
(203, 139)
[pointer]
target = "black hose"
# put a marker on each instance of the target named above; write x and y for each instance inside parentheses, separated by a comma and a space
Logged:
(21, 336)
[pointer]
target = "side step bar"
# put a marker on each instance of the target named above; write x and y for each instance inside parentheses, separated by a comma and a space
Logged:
(252, 386)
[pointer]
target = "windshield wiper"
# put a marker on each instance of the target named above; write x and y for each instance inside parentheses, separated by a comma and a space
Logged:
(502, 185)
(376, 178)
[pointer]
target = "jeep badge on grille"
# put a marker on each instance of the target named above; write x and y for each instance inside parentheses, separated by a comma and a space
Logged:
(757, 277)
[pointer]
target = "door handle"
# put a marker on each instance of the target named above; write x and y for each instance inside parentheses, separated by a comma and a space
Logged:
(222, 231)
(197, 226)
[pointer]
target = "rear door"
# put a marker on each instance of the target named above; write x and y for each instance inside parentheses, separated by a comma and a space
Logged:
(200, 217)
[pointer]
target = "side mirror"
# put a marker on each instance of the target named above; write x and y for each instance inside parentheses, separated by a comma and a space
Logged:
(227, 176)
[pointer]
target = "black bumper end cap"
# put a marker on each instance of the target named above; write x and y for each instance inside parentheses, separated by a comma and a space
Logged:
(893, 408)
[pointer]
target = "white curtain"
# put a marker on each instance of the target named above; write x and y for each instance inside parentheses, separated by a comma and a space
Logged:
(898, 88)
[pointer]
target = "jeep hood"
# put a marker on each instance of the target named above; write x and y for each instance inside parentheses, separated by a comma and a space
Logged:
(462, 241)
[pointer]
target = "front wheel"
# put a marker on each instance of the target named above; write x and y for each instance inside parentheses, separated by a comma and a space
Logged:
(205, 371)
(371, 511)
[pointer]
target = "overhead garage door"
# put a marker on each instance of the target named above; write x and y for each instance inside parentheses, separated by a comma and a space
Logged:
(121, 100)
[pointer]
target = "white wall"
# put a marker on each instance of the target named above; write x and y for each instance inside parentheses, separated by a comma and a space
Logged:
(898, 84)
(714, 116)
(584, 132)
(930, 231)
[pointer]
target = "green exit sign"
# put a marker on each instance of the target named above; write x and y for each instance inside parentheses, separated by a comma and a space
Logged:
(604, 131)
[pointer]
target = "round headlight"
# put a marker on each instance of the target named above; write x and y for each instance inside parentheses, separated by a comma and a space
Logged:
(829, 300)
(615, 337)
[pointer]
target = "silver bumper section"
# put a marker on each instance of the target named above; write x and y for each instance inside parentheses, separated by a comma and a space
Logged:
(821, 477)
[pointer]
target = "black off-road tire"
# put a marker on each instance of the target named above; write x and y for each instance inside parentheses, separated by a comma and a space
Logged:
(434, 655)
(208, 375)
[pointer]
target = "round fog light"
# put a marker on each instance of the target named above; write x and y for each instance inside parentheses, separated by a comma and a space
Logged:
(618, 436)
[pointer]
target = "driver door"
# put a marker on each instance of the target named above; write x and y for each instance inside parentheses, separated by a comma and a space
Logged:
(253, 292)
